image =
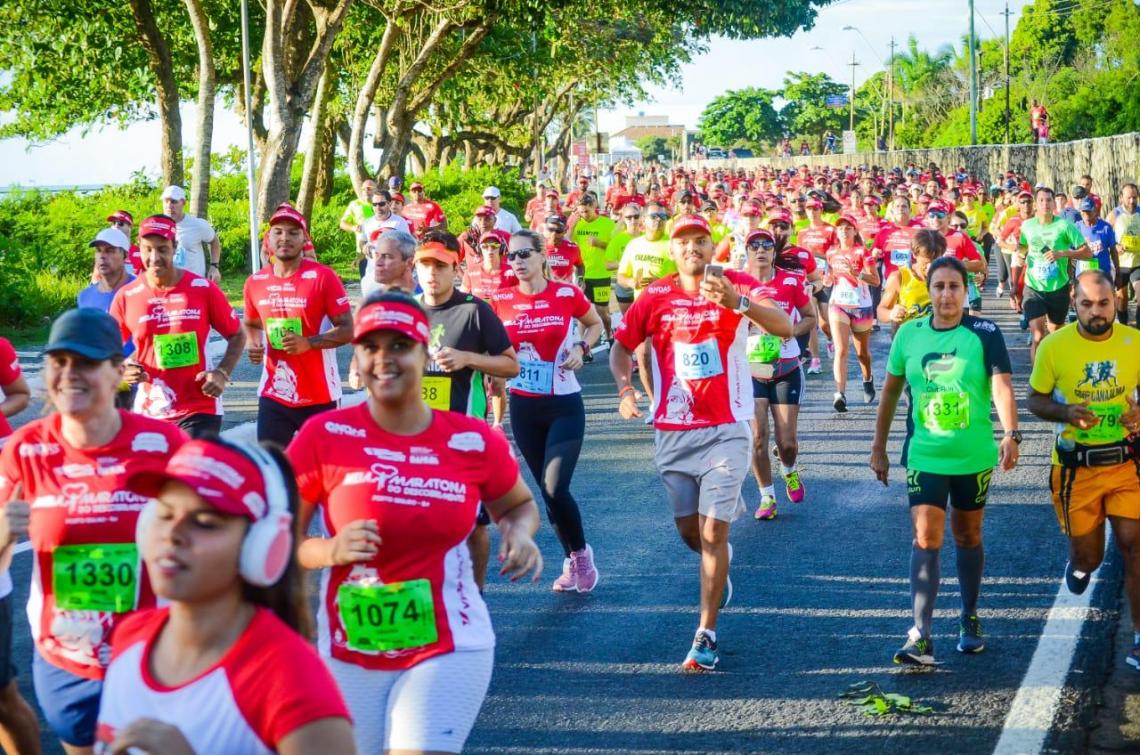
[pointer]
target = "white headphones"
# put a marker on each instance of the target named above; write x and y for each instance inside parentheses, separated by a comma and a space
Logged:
(268, 543)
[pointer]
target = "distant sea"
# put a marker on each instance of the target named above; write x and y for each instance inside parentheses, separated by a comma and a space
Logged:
(51, 188)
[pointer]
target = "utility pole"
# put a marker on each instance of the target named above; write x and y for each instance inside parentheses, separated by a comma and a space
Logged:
(891, 96)
(1006, 14)
(851, 102)
(973, 80)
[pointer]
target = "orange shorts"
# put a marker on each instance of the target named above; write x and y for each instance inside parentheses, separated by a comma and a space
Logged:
(1084, 496)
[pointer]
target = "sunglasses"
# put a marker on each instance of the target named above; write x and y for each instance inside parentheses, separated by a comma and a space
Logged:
(936, 214)
(659, 216)
(958, 226)
(761, 244)
(491, 246)
(120, 222)
(520, 254)
(379, 204)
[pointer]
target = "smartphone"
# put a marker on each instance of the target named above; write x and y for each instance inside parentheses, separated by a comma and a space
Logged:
(714, 271)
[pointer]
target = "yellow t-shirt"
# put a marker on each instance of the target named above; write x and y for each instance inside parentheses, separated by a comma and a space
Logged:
(913, 294)
(1074, 369)
(1127, 230)
(646, 260)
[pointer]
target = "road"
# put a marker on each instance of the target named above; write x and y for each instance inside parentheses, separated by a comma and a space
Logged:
(821, 602)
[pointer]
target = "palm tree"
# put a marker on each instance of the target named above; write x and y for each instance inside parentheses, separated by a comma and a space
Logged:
(918, 71)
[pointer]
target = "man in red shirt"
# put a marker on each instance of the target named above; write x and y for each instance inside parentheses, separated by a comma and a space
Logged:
(892, 243)
(583, 187)
(422, 213)
(563, 256)
(168, 313)
(483, 223)
(817, 237)
(287, 304)
(535, 204)
(627, 194)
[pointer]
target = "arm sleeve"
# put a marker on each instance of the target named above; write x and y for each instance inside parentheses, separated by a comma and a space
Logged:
(993, 346)
(503, 472)
(118, 311)
(335, 298)
(1043, 378)
(582, 305)
(10, 473)
(250, 314)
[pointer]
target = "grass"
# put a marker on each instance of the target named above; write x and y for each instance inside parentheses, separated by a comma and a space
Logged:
(28, 336)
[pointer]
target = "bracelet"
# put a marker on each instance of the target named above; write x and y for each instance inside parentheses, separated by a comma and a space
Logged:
(213, 264)
(224, 373)
(621, 393)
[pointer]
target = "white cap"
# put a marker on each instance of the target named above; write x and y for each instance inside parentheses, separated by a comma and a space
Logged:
(112, 237)
(177, 193)
(491, 192)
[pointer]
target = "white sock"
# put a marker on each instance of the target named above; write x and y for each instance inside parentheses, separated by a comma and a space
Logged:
(786, 469)
(710, 632)
(768, 490)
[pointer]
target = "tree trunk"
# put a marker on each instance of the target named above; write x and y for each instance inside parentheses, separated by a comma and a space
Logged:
(166, 86)
(207, 82)
(320, 134)
(326, 165)
(357, 168)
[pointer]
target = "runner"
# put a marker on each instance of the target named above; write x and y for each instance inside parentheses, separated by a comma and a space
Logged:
(19, 728)
(398, 487)
(951, 365)
(563, 256)
(850, 272)
(482, 224)
(630, 229)
(1100, 237)
(422, 213)
(198, 249)
(296, 315)
(777, 378)
(383, 217)
(817, 237)
(1126, 225)
(204, 673)
(548, 418)
(1008, 238)
(696, 319)
(168, 314)
(112, 271)
(505, 220)
(352, 221)
(1048, 242)
(390, 263)
(1085, 379)
(124, 222)
(905, 295)
(467, 344)
(63, 479)
(592, 234)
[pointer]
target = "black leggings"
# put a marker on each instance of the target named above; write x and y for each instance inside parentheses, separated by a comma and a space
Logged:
(549, 432)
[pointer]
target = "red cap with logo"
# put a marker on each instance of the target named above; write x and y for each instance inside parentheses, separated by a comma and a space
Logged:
(690, 223)
(224, 477)
(405, 318)
(159, 225)
(287, 213)
(780, 215)
(486, 211)
(122, 215)
(938, 205)
(849, 219)
(759, 233)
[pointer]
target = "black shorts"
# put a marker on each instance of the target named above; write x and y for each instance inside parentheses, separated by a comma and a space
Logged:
(785, 389)
(7, 668)
(597, 290)
(1053, 305)
(965, 492)
(201, 425)
(1126, 275)
(279, 423)
(482, 518)
(823, 296)
(623, 294)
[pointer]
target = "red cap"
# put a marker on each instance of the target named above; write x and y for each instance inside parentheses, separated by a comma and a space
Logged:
(813, 204)
(750, 208)
(849, 219)
(1025, 194)
(159, 225)
(287, 213)
(690, 223)
(436, 251)
(485, 211)
(492, 236)
(925, 199)
(226, 479)
(780, 215)
(871, 200)
(759, 233)
(391, 315)
(969, 193)
(416, 185)
(938, 206)
(378, 232)
(552, 193)
(397, 197)
(121, 215)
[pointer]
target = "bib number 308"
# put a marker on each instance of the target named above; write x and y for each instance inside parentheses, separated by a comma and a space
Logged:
(379, 618)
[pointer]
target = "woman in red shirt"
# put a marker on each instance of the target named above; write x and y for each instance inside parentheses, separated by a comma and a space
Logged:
(851, 271)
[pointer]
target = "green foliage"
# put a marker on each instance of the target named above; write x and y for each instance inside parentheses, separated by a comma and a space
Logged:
(460, 192)
(807, 112)
(875, 702)
(652, 146)
(742, 117)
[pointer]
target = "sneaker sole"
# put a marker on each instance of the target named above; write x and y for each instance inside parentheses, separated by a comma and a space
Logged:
(910, 660)
(1133, 662)
(971, 651)
(692, 667)
(597, 579)
(764, 518)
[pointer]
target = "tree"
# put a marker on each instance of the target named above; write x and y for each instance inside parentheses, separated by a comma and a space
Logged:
(806, 111)
(651, 147)
(742, 117)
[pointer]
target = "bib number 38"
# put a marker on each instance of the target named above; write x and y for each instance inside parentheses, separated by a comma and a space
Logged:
(396, 616)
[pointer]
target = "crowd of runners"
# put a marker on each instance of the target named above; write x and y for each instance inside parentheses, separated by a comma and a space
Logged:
(167, 604)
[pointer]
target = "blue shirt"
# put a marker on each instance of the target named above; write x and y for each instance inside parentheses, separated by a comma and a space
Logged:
(1101, 240)
(93, 297)
(1070, 214)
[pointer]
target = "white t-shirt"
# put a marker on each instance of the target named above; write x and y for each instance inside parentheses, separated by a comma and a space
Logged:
(393, 221)
(506, 221)
(193, 244)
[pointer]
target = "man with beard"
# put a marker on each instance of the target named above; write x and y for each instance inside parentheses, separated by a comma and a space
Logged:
(1085, 379)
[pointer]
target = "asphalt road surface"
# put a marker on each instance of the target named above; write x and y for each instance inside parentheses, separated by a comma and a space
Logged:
(821, 602)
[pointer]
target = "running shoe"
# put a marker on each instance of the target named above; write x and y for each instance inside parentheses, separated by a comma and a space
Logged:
(726, 596)
(1133, 657)
(567, 581)
(999, 292)
(970, 636)
(795, 487)
(814, 368)
(584, 570)
(767, 508)
(1076, 585)
(703, 655)
(830, 350)
(840, 402)
(869, 390)
(918, 650)
(875, 327)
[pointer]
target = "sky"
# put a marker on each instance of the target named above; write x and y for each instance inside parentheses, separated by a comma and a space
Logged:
(111, 155)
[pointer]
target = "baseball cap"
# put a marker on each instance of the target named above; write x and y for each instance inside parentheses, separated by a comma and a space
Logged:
(221, 475)
(709, 206)
(403, 317)
(813, 203)
(287, 213)
(552, 193)
(555, 220)
(485, 211)
(685, 196)
(159, 225)
(111, 237)
(851, 220)
(492, 192)
(937, 206)
(491, 236)
(122, 215)
(690, 223)
(780, 215)
(1087, 205)
(417, 186)
(1079, 192)
(750, 209)
(395, 181)
(177, 193)
(88, 331)
(759, 233)
(436, 251)
(1025, 195)
(871, 200)
(398, 197)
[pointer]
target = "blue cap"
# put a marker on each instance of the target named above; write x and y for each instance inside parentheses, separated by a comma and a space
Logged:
(1087, 205)
(87, 331)
(395, 181)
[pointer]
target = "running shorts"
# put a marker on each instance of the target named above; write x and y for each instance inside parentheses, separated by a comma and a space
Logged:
(70, 703)
(597, 290)
(1084, 496)
(704, 469)
(823, 295)
(860, 319)
(1126, 275)
(785, 389)
(7, 668)
(1053, 305)
(965, 492)
(623, 294)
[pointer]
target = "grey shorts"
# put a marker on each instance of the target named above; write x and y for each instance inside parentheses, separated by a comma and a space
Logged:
(704, 469)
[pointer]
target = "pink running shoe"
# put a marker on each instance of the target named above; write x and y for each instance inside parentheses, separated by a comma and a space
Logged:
(583, 569)
(795, 487)
(567, 581)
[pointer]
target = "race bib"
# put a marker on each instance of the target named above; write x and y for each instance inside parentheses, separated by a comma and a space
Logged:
(276, 327)
(697, 361)
(847, 295)
(764, 348)
(1045, 272)
(436, 391)
(95, 577)
(900, 257)
(1108, 430)
(174, 350)
(1130, 243)
(601, 295)
(378, 618)
(535, 376)
(944, 411)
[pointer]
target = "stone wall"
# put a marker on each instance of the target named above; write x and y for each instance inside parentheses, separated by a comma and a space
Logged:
(1112, 161)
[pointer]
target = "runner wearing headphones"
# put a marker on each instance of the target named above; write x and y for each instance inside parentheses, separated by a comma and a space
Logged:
(204, 673)
(397, 485)
(74, 464)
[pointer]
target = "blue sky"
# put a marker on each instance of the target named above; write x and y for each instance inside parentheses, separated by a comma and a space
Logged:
(110, 155)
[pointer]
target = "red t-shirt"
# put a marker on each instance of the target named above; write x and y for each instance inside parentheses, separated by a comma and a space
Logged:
(309, 298)
(134, 259)
(269, 684)
(1011, 231)
(79, 498)
(869, 226)
(563, 258)
(9, 373)
(789, 291)
(699, 353)
(843, 269)
(169, 327)
(817, 239)
(423, 216)
(541, 328)
(892, 244)
(423, 491)
(961, 246)
(482, 284)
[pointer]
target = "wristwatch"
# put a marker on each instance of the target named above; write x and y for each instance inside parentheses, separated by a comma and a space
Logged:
(743, 305)
(587, 354)
(1015, 434)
